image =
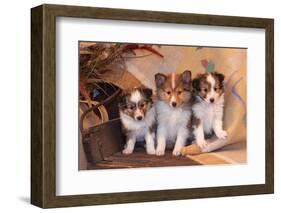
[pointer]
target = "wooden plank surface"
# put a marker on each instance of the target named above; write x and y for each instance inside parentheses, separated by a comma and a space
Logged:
(140, 159)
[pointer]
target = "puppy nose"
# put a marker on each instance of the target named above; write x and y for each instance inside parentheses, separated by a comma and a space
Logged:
(174, 104)
(139, 118)
(212, 100)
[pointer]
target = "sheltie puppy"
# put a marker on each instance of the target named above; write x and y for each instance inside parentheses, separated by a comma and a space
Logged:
(137, 116)
(208, 107)
(173, 110)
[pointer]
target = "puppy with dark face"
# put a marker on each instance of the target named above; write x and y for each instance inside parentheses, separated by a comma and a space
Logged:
(138, 118)
(173, 110)
(208, 107)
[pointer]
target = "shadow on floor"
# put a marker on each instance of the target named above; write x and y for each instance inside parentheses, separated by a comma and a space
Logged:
(25, 199)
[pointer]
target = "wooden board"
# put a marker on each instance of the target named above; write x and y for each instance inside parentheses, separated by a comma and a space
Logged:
(140, 159)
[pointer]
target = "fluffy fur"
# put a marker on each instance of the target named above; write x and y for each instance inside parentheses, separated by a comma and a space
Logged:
(138, 119)
(208, 107)
(173, 110)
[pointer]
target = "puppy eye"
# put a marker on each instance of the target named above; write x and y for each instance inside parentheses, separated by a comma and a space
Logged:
(141, 105)
(216, 89)
(168, 92)
(131, 107)
(179, 92)
(204, 90)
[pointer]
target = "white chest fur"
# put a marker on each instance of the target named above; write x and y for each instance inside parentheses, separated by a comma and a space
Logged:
(207, 113)
(139, 127)
(171, 119)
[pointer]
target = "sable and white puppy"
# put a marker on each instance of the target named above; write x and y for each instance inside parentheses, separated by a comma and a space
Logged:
(138, 118)
(173, 110)
(208, 107)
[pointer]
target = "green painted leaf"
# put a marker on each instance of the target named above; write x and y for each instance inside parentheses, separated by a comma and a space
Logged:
(211, 66)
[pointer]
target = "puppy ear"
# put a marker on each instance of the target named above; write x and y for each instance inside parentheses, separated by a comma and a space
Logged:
(122, 99)
(196, 83)
(147, 92)
(219, 76)
(160, 79)
(186, 76)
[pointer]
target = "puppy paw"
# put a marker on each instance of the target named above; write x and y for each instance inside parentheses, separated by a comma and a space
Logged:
(150, 151)
(202, 143)
(160, 152)
(176, 152)
(221, 134)
(127, 151)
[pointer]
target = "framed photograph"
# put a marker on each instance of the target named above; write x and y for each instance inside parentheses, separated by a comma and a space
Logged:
(136, 106)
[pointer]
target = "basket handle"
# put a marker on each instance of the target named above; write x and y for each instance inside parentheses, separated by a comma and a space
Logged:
(104, 102)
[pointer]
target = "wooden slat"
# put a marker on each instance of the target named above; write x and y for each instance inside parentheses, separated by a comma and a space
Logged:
(140, 159)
